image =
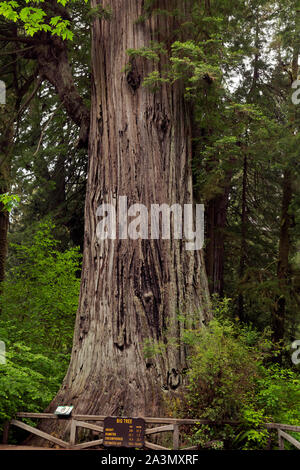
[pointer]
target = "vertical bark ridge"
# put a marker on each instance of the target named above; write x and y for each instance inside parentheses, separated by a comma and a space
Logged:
(132, 291)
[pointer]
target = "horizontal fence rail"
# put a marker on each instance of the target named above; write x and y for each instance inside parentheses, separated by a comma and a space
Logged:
(284, 436)
(162, 425)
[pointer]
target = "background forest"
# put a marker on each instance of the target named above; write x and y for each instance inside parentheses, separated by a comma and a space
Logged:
(238, 68)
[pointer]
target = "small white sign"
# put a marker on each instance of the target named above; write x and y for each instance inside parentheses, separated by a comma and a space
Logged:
(63, 410)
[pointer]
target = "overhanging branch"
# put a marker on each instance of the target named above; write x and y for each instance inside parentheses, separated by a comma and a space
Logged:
(51, 55)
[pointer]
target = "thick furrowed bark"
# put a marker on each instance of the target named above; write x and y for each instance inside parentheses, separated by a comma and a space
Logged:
(132, 291)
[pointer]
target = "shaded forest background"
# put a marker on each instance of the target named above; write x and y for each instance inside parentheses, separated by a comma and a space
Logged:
(237, 68)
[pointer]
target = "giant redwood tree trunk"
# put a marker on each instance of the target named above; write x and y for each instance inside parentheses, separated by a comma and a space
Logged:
(132, 291)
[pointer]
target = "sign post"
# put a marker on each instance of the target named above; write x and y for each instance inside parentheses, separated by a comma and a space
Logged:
(124, 432)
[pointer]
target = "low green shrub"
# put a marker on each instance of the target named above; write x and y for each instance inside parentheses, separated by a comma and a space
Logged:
(232, 377)
(38, 306)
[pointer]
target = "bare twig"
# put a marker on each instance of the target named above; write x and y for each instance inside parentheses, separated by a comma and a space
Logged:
(44, 128)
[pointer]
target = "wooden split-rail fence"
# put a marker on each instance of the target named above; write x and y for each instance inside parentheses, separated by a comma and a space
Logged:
(161, 425)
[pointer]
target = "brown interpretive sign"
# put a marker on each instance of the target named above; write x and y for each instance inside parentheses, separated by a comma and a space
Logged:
(124, 432)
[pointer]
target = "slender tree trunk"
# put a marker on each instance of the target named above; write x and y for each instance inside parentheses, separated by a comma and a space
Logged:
(8, 118)
(278, 319)
(4, 218)
(6, 140)
(244, 220)
(214, 254)
(244, 217)
(283, 271)
(58, 195)
(132, 291)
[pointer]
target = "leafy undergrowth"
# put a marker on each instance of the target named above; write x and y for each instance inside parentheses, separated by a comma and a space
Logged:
(38, 307)
(232, 376)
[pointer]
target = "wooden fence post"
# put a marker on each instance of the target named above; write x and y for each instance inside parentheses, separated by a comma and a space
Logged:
(73, 432)
(280, 440)
(5, 432)
(175, 436)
